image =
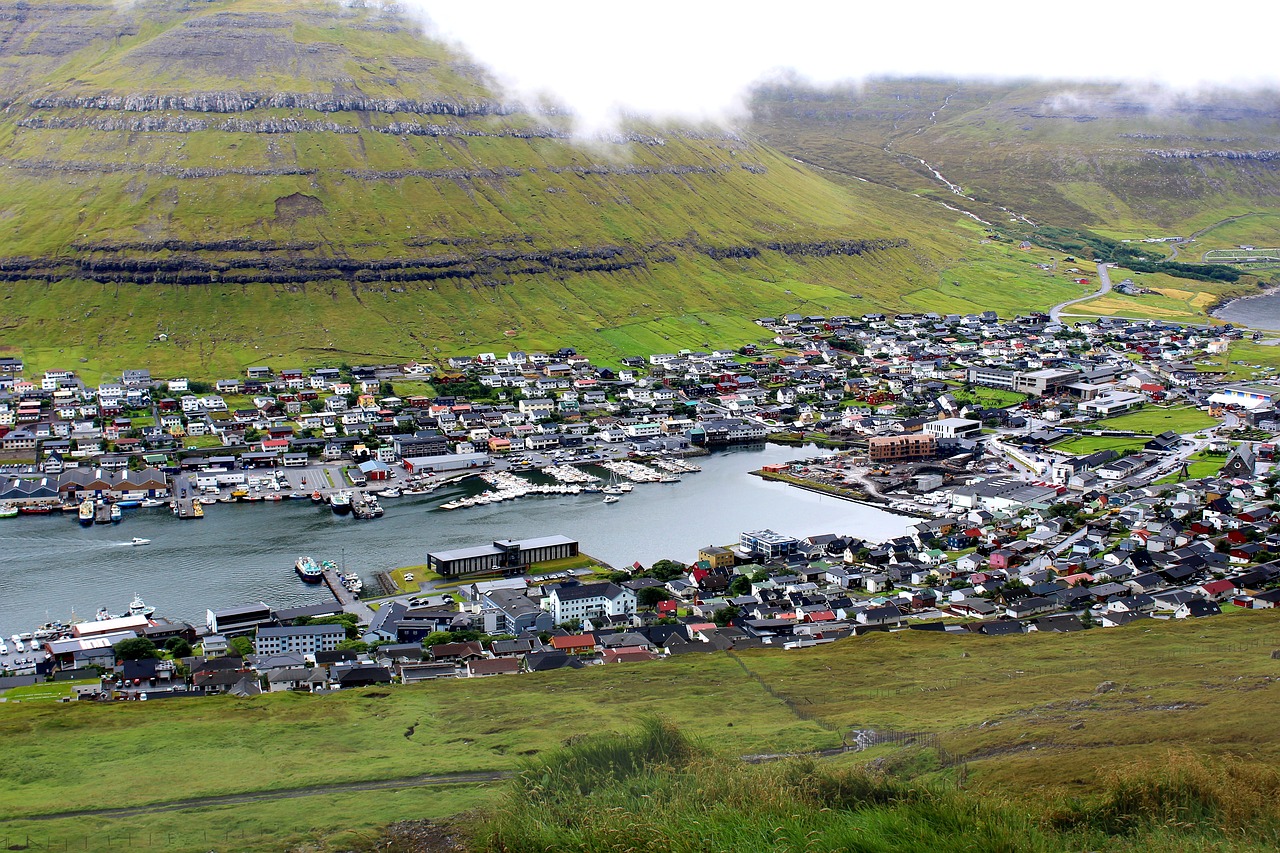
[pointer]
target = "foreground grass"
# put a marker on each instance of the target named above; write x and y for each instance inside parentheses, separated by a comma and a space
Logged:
(1023, 713)
(340, 821)
(655, 790)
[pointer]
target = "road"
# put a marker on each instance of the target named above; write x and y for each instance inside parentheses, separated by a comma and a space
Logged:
(1104, 280)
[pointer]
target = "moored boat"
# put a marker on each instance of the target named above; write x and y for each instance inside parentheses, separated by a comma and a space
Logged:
(138, 607)
(309, 570)
(86, 512)
(35, 509)
(8, 511)
(116, 514)
(341, 502)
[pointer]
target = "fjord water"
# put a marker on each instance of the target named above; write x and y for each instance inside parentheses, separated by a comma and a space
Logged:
(1256, 312)
(241, 553)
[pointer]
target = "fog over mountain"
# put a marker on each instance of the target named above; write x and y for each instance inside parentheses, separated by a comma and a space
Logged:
(694, 61)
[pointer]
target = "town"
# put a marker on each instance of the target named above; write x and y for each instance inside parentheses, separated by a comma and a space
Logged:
(1063, 477)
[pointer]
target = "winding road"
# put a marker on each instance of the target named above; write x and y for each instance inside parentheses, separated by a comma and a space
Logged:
(1104, 280)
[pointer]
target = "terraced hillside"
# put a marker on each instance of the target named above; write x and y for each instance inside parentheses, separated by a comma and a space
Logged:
(1124, 161)
(196, 186)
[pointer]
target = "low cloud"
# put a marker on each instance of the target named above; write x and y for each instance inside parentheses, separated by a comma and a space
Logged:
(695, 61)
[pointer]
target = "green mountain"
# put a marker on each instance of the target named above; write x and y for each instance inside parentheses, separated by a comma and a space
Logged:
(1120, 160)
(302, 180)
(198, 186)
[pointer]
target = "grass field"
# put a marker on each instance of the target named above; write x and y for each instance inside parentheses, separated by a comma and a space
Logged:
(1083, 445)
(1202, 464)
(1153, 420)
(989, 397)
(1266, 357)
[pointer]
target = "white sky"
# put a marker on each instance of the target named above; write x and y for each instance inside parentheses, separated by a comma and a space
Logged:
(694, 59)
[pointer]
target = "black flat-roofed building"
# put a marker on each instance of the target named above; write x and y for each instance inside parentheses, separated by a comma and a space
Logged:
(238, 620)
(510, 556)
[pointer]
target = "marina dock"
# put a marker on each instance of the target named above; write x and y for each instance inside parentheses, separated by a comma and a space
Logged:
(339, 591)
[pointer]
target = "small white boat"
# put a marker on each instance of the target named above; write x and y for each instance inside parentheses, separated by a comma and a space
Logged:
(138, 540)
(610, 499)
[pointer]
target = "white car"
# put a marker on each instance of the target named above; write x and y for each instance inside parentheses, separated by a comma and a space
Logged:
(4, 649)
(18, 646)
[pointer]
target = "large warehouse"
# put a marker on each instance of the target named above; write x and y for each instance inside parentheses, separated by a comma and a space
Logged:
(509, 556)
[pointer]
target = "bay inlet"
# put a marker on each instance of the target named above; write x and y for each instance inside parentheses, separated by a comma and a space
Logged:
(52, 568)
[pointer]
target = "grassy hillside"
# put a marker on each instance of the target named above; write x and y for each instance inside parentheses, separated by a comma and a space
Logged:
(1124, 161)
(319, 183)
(1036, 716)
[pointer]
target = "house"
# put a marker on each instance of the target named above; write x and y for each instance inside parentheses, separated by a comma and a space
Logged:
(302, 639)
(588, 601)
(576, 644)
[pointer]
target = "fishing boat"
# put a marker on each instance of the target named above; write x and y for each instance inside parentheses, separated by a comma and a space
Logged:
(38, 509)
(138, 540)
(86, 512)
(116, 514)
(340, 502)
(138, 607)
(8, 511)
(309, 570)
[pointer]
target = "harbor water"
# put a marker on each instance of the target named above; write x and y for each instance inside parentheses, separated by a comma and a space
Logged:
(1256, 312)
(52, 568)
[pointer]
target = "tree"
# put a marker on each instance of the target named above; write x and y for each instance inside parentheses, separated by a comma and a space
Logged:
(346, 620)
(177, 647)
(650, 596)
(760, 575)
(136, 648)
(725, 615)
(240, 647)
(435, 638)
(352, 646)
(740, 585)
(665, 570)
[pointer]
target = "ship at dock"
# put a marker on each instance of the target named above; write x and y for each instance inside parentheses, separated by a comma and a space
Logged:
(309, 570)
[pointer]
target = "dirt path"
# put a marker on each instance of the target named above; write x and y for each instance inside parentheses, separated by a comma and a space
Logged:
(425, 781)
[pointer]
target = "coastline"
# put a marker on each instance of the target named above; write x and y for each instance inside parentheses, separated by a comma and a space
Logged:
(1215, 310)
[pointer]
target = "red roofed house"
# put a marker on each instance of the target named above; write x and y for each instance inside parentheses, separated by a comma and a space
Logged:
(1219, 590)
(577, 644)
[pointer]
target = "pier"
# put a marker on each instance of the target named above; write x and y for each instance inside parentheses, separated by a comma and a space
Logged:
(350, 603)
